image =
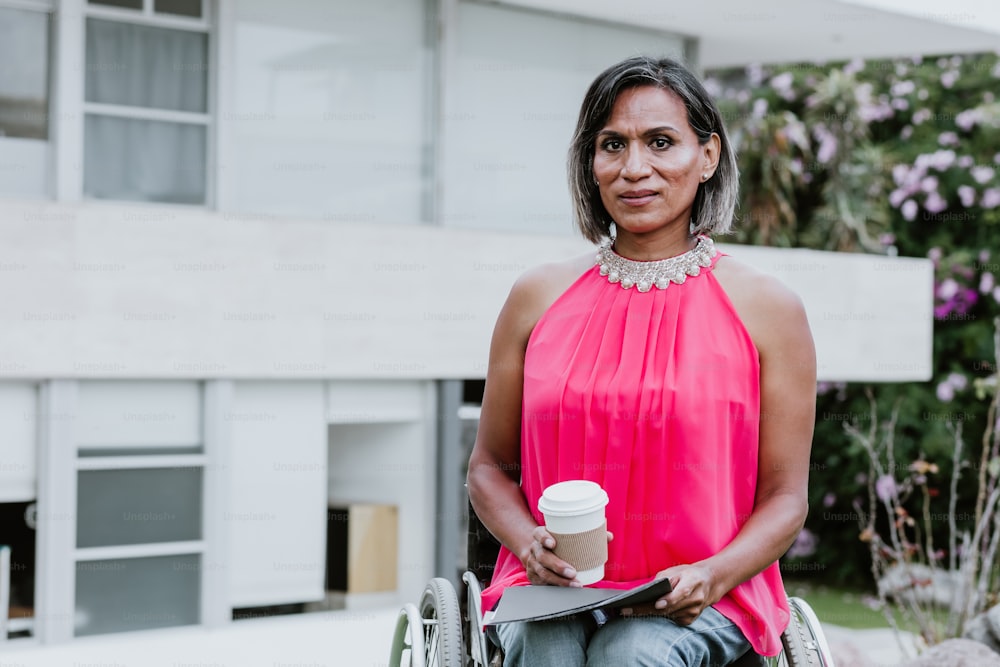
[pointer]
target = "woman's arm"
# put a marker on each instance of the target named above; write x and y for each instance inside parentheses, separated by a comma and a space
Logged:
(494, 466)
(777, 322)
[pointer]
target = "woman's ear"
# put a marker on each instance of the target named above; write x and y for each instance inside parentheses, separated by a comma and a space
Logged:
(710, 153)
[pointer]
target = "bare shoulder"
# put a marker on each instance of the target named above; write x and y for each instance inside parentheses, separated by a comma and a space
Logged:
(538, 288)
(768, 308)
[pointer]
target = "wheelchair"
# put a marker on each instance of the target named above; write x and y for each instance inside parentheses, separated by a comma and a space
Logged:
(440, 632)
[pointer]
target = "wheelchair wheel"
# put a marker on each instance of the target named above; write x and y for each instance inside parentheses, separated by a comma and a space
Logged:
(442, 625)
(803, 640)
(475, 638)
(430, 635)
(408, 639)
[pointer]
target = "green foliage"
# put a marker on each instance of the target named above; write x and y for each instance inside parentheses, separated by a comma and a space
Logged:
(894, 157)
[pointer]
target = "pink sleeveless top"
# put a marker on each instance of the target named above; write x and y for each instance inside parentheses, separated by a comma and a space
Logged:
(656, 397)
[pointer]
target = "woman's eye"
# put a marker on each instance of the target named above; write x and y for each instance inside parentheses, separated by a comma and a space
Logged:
(613, 145)
(661, 142)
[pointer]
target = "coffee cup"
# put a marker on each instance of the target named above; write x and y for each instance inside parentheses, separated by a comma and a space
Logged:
(574, 516)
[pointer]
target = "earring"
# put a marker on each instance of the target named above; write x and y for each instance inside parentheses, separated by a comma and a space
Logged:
(704, 177)
(613, 232)
(596, 182)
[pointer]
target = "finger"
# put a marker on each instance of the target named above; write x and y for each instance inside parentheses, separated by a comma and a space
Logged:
(545, 576)
(543, 537)
(688, 611)
(560, 568)
(550, 569)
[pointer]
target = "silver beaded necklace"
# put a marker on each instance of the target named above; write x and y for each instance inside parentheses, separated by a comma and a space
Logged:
(661, 272)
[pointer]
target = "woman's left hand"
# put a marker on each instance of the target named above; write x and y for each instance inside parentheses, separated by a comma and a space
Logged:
(692, 591)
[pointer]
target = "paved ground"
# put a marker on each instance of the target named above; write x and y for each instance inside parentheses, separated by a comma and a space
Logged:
(869, 648)
(325, 639)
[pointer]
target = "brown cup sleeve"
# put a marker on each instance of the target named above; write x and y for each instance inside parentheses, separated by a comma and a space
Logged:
(584, 551)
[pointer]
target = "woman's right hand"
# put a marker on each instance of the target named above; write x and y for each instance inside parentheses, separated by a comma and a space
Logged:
(542, 565)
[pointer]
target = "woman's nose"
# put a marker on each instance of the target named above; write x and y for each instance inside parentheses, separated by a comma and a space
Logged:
(635, 165)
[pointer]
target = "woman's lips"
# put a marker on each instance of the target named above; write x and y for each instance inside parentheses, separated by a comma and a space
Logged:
(637, 198)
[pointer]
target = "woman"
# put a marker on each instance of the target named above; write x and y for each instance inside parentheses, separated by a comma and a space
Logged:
(677, 378)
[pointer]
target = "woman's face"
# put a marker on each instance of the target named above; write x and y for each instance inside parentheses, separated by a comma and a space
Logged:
(648, 162)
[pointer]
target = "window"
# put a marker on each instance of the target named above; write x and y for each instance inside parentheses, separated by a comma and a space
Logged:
(24, 99)
(146, 101)
(140, 480)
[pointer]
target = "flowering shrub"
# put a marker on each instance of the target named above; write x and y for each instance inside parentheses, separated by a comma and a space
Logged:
(898, 157)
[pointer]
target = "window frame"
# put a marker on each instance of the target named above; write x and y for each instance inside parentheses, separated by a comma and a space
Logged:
(42, 7)
(207, 25)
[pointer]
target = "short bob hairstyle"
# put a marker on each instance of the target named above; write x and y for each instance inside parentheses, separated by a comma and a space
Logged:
(715, 202)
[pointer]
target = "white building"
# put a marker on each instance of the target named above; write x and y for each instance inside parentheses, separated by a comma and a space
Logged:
(251, 252)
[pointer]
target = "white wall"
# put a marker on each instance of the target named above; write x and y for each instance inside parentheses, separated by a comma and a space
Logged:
(513, 86)
(116, 291)
(18, 437)
(324, 109)
(276, 506)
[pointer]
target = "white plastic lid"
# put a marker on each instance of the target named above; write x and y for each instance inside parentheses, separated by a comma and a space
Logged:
(572, 498)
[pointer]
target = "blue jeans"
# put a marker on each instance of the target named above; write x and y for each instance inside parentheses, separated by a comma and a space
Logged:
(649, 641)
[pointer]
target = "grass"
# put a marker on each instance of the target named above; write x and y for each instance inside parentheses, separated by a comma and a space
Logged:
(838, 606)
(847, 608)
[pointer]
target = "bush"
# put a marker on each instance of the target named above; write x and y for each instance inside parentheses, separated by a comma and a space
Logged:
(898, 157)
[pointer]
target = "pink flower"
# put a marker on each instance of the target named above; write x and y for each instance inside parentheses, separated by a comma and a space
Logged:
(967, 195)
(948, 139)
(899, 172)
(965, 161)
(949, 78)
(885, 488)
(804, 545)
(902, 88)
(991, 198)
(856, 65)
(909, 209)
(957, 380)
(996, 159)
(829, 499)
(996, 297)
(940, 160)
(906, 132)
(900, 103)
(967, 120)
(920, 115)
(986, 283)
(934, 254)
(947, 289)
(782, 83)
(759, 107)
(945, 392)
(935, 203)
(827, 148)
(929, 183)
(982, 175)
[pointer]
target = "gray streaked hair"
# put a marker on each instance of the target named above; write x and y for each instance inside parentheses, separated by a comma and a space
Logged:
(715, 202)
